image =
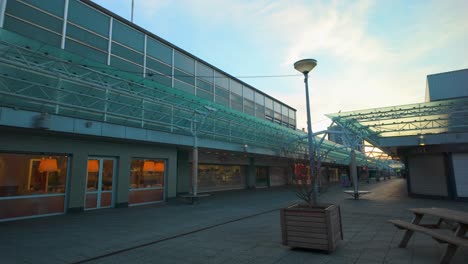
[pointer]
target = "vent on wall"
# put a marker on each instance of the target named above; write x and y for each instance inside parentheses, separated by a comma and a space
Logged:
(42, 121)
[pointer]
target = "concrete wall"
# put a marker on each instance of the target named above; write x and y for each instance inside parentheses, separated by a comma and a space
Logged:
(183, 171)
(79, 148)
(447, 85)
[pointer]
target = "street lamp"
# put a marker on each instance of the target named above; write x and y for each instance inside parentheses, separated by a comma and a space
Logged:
(305, 66)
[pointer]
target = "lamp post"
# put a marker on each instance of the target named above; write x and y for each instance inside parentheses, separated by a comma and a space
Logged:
(305, 66)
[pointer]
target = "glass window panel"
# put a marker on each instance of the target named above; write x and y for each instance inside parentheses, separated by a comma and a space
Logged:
(35, 16)
(204, 94)
(158, 50)
(204, 72)
(184, 62)
(222, 92)
(86, 51)
(277, 116)
(146, 173)
(220, 176)
(128, 36)
(268, 103)
(184, 87)
(235, 87)
(25, 174)
(236, 102)
(55, 7)
(88, 17)
(125, 53)
(249, 107)
(292, 121)
(204, 85)
(126, 66)
(236, 98)
(182, 76)
(159, 77)
(277, 106)
(248, 93)
(248, 103)
(268, 112)
(221, 80)
(292, 113)
(259, 111)
(284, 110)
(259, 98)
(222, 100)
(31, 31)
(87, 37)
(158, 66)
(237, 106)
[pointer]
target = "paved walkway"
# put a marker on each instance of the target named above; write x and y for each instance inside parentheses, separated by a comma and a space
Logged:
(228, 227)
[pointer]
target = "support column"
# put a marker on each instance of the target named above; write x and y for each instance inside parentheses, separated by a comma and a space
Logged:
(123, 181)
(195, 166)
(78, 172)
(353, 171)
(250, 173)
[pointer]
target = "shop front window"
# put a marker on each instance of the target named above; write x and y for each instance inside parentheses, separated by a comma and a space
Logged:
(146, 181)
(220, 176)
(32, 184)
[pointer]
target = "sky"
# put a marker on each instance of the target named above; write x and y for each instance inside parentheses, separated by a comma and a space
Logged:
(369, 53)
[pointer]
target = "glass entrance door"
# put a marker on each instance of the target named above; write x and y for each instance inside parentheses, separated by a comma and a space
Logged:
(100, 183)
(261, 177)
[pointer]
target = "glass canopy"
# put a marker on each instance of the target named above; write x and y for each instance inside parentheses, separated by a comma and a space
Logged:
(438, 117)
(39, 77)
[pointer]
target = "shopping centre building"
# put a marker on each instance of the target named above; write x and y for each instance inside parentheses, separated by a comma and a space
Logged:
(96, 112)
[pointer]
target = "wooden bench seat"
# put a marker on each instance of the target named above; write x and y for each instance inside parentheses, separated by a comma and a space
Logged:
(437, 235)
(452, 240)
(193, 198)
(356, 194)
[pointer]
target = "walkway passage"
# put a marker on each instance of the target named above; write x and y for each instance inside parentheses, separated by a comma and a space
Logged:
(230, 227)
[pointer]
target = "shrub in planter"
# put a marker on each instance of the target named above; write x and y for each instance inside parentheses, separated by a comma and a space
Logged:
(310, 224)
(313, 227)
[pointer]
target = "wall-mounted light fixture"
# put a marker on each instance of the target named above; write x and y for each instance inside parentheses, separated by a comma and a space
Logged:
(421, 140)
(245, 147)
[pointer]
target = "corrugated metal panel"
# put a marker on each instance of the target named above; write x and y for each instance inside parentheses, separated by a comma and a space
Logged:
(427, 175)
(448, 85)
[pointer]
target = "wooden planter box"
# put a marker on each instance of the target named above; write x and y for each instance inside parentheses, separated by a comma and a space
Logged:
(312, 227)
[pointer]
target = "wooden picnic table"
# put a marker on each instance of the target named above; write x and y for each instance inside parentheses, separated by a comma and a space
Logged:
(454, 239)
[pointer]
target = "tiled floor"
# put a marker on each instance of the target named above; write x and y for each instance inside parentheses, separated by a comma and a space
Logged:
(230, 227)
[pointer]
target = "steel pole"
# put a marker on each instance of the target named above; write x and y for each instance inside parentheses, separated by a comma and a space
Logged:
(310, 142)
(353, 171)
(195, 166)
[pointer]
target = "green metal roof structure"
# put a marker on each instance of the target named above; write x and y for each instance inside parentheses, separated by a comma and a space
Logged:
(42, 78)
(404, 122)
